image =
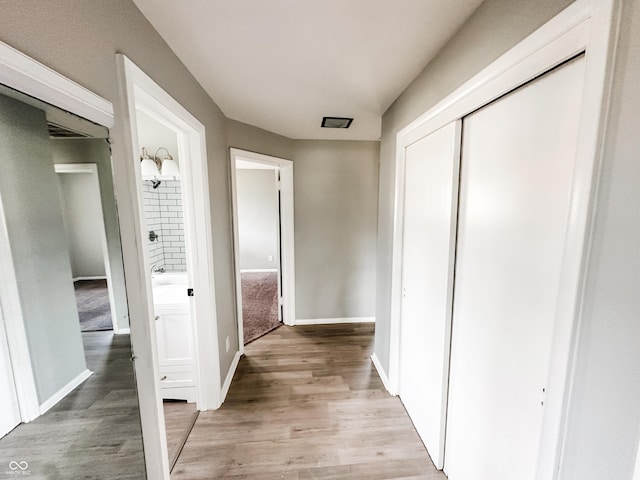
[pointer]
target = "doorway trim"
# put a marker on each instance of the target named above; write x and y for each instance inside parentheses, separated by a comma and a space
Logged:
(24, 74)
(286, 235)
(141, 92)
(586, 26)
(92, 170)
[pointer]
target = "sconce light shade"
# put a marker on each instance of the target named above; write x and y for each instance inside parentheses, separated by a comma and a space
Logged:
(170, 169)
(149, 169)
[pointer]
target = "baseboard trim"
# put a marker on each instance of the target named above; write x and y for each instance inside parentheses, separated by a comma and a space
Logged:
(227, 381)
(75, 279)
(381, 373)
(258, 270)
(329, 321)
(123, 331)
(64, 391)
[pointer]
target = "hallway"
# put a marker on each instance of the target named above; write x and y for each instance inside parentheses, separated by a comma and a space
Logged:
(306, 403)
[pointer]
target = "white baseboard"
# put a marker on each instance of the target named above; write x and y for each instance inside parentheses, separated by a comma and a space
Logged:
(258, 270)
(328, 321)
(64, 391)
(227, 381)
(123, 331)
(381, 373)
(75, 279)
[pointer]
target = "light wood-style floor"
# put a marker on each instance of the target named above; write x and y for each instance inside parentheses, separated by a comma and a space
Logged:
(178, 419)
(306, 403)
(94, 432)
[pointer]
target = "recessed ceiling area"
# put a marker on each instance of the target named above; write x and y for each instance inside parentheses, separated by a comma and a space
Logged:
(282, 65)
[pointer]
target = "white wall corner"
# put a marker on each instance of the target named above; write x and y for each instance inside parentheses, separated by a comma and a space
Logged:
(381, 373)
(64, 391)
(227, 381)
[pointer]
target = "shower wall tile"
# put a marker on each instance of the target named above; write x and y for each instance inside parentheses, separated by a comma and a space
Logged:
(164, 215)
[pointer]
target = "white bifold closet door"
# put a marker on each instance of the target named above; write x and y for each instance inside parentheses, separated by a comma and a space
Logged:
(9, 410)
(431, 187)
(518, 157)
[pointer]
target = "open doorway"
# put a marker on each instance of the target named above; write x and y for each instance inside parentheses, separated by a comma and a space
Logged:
(180, 338)
(83, 219)
(167, 251)
(258, 203)
(54, 377)
(262, 192)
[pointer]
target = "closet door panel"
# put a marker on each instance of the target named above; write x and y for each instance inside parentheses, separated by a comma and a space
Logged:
(518, 157)
(431, 186)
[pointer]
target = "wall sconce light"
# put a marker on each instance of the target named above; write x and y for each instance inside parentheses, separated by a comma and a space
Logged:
(154, 168)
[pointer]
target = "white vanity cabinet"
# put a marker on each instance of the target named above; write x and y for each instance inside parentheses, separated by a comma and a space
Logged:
(175, 342)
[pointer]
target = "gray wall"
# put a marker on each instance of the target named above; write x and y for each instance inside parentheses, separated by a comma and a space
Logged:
(604, 413)
(258, 219)
(80, 202)
(335, 196)
(254, 139)
(33, 215)
(79, 39)
(335, 189)
(97, 151)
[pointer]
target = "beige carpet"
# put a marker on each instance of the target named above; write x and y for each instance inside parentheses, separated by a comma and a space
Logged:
(259, 303)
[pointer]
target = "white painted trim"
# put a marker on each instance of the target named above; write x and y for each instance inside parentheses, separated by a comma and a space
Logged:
(76, 168)
(287, 245)
(15, 328)
(142, 93)
(331, 321)
(26, 75)
(227, 381)
(77, 279)
(123, 331)
(64, 391)
(92, 169)
(636, 471)
(258, 270)
(380, 370)
(585, 26)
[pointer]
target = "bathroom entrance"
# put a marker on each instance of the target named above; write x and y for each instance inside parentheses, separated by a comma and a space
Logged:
(174, 221)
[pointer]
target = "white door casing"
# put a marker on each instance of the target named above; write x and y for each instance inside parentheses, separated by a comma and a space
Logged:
(286, 239)
(518, 161)
(431, 196)
(142, 93)
(91, 169)
(9, 407)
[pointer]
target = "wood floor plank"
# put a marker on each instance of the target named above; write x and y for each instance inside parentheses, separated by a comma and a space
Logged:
(306, 403)
(94, 432)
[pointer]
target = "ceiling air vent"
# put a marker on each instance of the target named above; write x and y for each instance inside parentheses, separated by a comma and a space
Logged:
(56, 131)
(336, 122)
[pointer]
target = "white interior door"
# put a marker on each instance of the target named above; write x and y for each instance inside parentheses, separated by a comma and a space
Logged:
(9, 409)
(431, 188)
(518, 157)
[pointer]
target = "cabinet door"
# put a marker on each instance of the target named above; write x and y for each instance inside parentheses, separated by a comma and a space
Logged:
(173, 331)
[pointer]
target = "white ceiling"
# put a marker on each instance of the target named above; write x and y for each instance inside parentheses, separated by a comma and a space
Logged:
(282, 65)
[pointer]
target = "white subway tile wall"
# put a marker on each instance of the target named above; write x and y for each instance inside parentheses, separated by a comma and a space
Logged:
(163, 215)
